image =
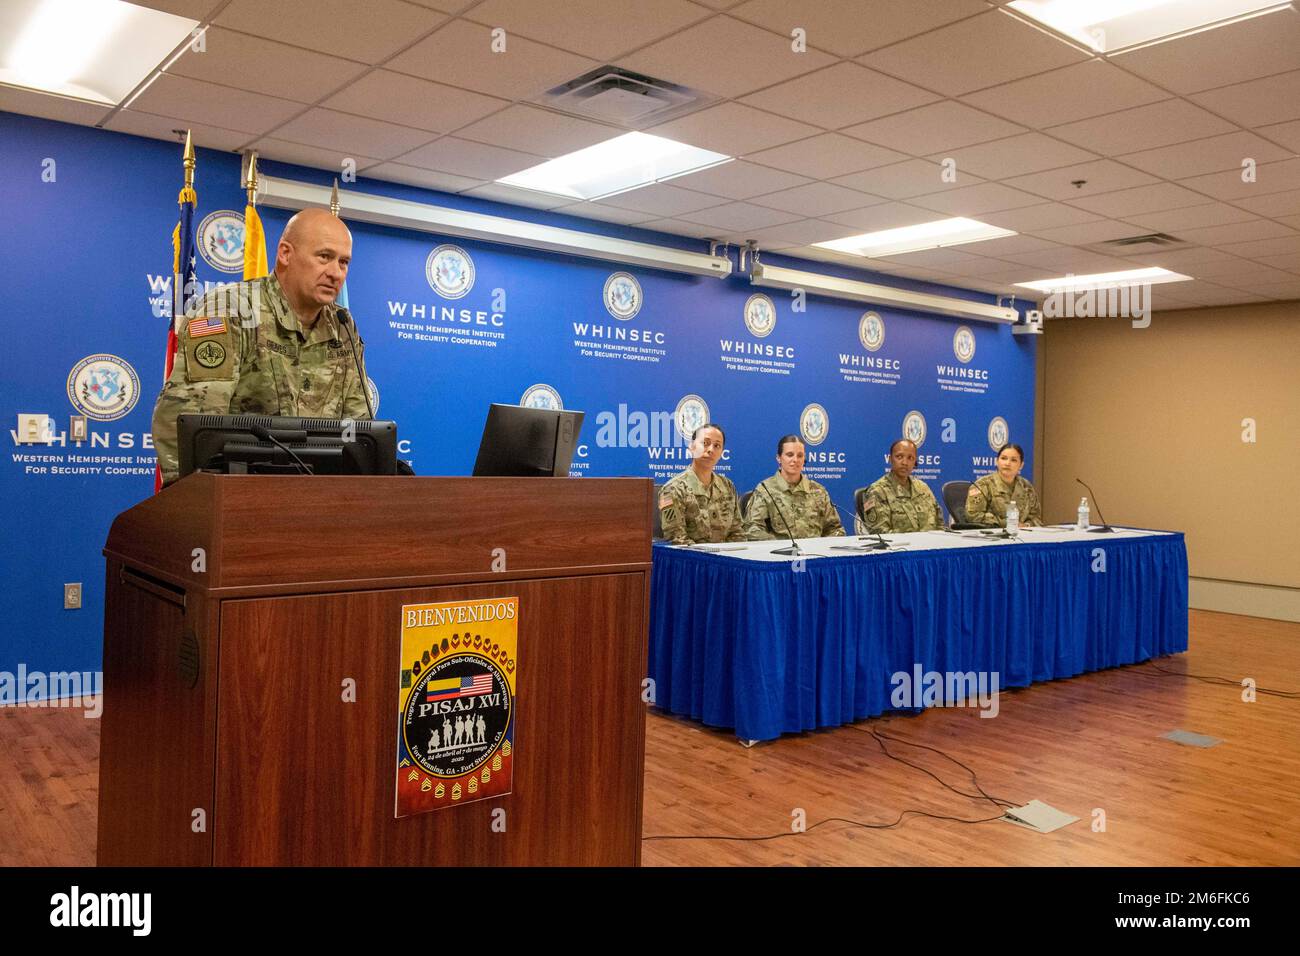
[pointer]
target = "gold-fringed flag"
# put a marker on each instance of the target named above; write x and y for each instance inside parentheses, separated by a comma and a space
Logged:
(184, 275)
(255, 265)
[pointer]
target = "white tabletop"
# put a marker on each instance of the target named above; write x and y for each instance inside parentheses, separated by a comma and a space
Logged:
(852, 546)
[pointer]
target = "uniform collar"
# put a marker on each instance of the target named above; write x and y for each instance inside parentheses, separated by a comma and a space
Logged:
(326, 327)
(778, 482)
(695, 486)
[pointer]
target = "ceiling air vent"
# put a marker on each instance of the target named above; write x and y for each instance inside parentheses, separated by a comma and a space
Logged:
(1154, 240)
(620, 96)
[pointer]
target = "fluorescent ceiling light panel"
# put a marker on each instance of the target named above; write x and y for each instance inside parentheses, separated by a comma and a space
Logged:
(926, 235)
(1106, 280)
(1110, 25)
(615, 166)
(96, 50)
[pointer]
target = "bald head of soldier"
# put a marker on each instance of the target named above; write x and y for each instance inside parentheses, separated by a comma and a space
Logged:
(311, 261)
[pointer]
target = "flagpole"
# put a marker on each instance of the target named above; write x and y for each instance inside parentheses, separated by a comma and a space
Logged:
(334, 199)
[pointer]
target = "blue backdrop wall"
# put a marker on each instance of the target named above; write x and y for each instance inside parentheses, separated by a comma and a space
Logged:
(85, 237)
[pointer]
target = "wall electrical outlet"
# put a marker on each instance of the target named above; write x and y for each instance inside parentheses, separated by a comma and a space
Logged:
(71, 596)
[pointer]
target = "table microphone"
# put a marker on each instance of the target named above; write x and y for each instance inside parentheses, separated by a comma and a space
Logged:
(880, 544)
(794, 548)
(345, 319)
(1105, 528)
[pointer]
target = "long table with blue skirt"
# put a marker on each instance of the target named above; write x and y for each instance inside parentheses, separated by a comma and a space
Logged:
(770, 644)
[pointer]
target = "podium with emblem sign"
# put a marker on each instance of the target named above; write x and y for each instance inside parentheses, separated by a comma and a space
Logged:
(376, 671)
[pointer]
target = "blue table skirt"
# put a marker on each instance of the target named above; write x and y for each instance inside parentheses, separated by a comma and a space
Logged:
(767, 650)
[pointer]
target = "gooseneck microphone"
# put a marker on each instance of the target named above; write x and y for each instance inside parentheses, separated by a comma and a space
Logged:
(1105, 528)
(880, 544)
(794, 548)
(345, 320)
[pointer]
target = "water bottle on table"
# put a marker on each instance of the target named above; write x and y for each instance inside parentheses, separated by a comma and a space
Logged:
(1013, 518)
(1083, 516)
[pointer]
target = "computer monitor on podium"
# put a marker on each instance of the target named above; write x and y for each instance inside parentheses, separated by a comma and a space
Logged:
(521, 442)
(273, 445)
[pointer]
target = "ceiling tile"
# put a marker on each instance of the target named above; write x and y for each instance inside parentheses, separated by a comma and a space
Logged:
(343, 131)
(839, 96)
(445, 6)
(1292, 221)
(850, 27)
(164, 127)
(800, 233)
(1009, 245)
(1273, 205)
(595, 210)
(1091, 233)
(193, 9)
(726, 57)
(1067, 259)
(903, 180)
(1235, 232)
(1273, 99)
(1269, 178)
(826, 156)
(1265, 249)
(739, 215)
(303, 154)
(1190, 217)
(460, 54)
(1075, 92)
(1016, 155)
(1102, 176)
(938, 126)
(1209, 155)
(978, 265)
(943, 259)
(662, 201)
(221, 106)
(369, 32)
(1146, 127)
(679, 227)
(1288, 134)
(890, 215)
(973, 54)
(1036, 219)
(733, 129)
(499, 192)
(601, 29)
(816, 199)
(976, 200)
(1260, 46)
(1288, 261)
(251, 63)
(408, 101)
(1190, 260)
(1280, 291)
(1126, 202)
(31, 103)
(533, 130)
(475, 160)
(739, 180)
(414, 176)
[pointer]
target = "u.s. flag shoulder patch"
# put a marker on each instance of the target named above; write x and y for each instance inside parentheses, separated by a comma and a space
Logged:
(205, 326)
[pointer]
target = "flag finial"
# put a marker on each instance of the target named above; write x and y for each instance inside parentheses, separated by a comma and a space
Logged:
(189, 160)
(334, 198)
(250, 180)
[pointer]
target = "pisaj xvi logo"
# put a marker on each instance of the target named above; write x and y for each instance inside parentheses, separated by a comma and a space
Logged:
(103, 387)
(914, 428)
(221, 240)
(760, 315)
(450, 271)
(999, 433)
(541, 396)
(871, 331)
(622, 295)
(814, 424)
(458, 710)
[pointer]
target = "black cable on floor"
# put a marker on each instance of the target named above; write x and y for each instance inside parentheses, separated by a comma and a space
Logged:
(1222, 682)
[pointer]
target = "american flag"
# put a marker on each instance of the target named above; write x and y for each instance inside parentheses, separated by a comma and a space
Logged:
(206, 326)
(462, 687)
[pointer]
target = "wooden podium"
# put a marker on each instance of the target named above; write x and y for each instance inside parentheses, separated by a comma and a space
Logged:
(239, 608)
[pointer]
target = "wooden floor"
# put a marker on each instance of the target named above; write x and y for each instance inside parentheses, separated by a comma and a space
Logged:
(1082, 745)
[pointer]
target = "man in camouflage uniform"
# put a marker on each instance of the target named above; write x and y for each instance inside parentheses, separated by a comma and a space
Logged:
(804, 503)
(988, 497)
(698, 506)
(898, 502)
(273, 346)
